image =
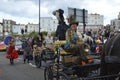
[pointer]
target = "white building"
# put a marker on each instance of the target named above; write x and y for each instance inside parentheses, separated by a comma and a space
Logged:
(46, 24)
(116, 22)
(55, 24)
(95, 21)
(18, 27)
(32, 27)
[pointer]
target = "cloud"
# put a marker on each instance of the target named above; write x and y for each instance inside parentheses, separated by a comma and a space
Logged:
(108, 8)
(28, 10)
(19, 20)
(19, 8)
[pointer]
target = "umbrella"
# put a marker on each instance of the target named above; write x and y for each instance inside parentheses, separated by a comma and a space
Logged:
(6, 40)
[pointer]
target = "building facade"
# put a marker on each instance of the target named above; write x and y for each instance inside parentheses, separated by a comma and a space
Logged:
(46, 24)
(115, 23)
(32, 27)
(95, 22)
(7, 26)
(17, 28)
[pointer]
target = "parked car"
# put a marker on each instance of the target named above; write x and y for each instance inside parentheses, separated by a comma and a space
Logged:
(18, 47)
(2, 46)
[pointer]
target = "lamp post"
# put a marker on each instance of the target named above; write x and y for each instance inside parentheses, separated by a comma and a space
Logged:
(39, 16)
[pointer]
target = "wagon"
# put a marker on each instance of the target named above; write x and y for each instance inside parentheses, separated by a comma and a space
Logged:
(64, 67)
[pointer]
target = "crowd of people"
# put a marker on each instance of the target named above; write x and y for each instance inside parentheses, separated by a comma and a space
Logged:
(74, 43)
(31, 46)
(39, 43)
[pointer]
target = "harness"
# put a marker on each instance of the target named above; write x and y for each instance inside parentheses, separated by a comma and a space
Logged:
(109, 58)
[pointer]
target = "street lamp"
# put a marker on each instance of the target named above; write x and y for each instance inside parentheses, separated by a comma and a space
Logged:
(39, 16)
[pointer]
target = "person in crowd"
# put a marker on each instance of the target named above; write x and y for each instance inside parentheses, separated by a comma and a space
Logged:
(89, 32)
(48, 41)
(27, 49)
(48, 47)
(111, 34)
(38, 40)
(37, 45)
(11, 52)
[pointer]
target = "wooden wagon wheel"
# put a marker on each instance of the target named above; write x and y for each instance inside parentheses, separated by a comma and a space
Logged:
(50, 73)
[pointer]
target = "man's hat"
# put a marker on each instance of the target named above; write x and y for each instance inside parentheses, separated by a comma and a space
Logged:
(71, 20)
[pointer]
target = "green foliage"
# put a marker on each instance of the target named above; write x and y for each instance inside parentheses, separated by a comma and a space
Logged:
(53, 34)
(14, 35)
(33, 34)
(44, 33)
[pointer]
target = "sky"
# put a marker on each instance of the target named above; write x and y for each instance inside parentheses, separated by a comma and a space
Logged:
(27, 11)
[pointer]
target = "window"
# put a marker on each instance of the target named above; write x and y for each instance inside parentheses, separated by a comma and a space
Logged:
(8, 22)
(8, 25)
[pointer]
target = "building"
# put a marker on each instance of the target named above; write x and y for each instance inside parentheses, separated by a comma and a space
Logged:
(115, 23)
(32, 27)
(7, 26)
(48, 24)
(95, 21)
(17, 28)
(55, 24)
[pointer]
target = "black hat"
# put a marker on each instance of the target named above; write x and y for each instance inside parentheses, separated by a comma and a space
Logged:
(72, 20)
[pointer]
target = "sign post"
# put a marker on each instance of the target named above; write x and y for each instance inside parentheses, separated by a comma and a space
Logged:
(80, 15)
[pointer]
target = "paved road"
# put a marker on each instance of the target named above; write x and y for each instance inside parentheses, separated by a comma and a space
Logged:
(19, 71)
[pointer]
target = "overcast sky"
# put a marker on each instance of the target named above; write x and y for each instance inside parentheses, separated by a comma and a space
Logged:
(24, 11)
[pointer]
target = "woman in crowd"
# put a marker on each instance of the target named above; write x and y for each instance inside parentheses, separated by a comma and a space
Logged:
(11, 52)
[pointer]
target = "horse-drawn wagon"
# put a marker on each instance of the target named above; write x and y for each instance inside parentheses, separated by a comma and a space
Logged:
(107, 67)
(64, 67)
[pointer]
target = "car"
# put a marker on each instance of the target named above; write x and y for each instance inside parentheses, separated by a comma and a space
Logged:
(3, 47)
(18, 47)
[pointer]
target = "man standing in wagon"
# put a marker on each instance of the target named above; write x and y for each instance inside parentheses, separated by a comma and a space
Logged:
(74, 44)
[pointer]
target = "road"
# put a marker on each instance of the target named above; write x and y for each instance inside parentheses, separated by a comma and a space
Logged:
(19, 71)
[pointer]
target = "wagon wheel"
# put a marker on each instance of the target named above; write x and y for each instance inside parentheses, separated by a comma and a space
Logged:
(38, 61)
(51, 73)
(48, 74)
(61, 76)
